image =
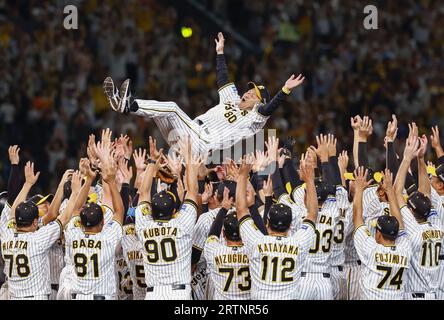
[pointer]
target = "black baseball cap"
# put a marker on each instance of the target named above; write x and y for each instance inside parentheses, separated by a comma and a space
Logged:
(91, 215)
(3, 199)
(261, 92)
(25, 213)
(323, 189)
(162, 205)
(420, 204)
(231, 185)
(388, 226)
(67, 189)
(440, 172)
(231, 227)
(279, 217)
(39, 199)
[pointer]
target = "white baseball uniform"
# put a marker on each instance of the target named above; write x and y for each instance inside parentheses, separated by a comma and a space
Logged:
(93, 256)
(352, 265)
(123, 276)
(132, 252)
(219, 128)
(383, 271)
(167, 251)
(438, 204)
(229, 270)
(426, 241)
(26, 259)
(276, 262)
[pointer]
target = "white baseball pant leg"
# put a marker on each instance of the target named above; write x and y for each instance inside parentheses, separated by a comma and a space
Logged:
(173, 123)
(353, 281)
(167, 293)
(315, 286)
(4, 292)
(209, 289)
(198, 284)
(339, 283)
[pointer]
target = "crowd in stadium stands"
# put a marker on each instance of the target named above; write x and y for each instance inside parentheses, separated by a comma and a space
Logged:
(51, 95)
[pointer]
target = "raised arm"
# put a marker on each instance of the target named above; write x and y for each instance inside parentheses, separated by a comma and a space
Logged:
(30, 180)
(14, 180)
(410, 152)
(221, 65)
(392, 162)
(393, 202)
(424, 185)
(436, 143)
(76, 183)
(365, 130)
(356, 124)
(342, 164)
(307, 175)
(241, 188)
(360, 184)
(192, 164)
(109, 170)
(54, 208)
(268, 108)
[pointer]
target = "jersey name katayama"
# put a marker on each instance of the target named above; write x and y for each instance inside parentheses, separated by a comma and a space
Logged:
(231, 258)
(18, 244)
(159, 231)
(90, 244)
(278, 248)
(391, 258)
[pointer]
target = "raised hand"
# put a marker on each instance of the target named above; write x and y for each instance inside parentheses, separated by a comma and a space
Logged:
(125, 170)
(356, 122)
(413, 130)
(85, 168)
(30, 176)
(272, 148)
(311, 157)
(13, 152)
(127, 144)
(220, 43)
(422, 146)
(154, 153)
(365, 129)
(435, 141)
(392, 129)
(232, 169)
(139, 156)
(208, 192)
(343, 161)
(174, 162)
(411, 148)
(268, 187)
(260, 161)
(322, 151)
(361, 181)
(245, 166)
(331, 145)
(76, 181)
(68, 173)
(387, 182)
(294, 81)
(251, 195)
(106, 138)
(227, 201)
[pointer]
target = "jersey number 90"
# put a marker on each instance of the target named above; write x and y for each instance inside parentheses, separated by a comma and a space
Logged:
(164, 250)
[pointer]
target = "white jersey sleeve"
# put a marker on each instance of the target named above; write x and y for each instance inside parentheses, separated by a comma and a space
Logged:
(47, 235)
(364, 243)
(250, 234)
(228, 93)
(187, 215)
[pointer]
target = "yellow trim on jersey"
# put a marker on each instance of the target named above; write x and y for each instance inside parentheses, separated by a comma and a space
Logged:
(183, 120)
(104, 205)
(191, 202)
(225, 86)
(356, 229)
(244, 218)
(60, 225)
(212, 238)
(197, 247)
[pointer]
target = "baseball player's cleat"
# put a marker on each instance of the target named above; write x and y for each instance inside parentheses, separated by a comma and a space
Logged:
(111, 93)
(125, 97)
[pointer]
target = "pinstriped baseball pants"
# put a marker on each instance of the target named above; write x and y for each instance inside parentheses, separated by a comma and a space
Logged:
(339, 284)
(314, 286)
(353, 279)
(167, 293)
(440, 292)
(173, 123)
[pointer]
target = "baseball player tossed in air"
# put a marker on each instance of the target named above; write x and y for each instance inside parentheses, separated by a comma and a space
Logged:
(166, 234)
(231, 120)
(386, 256)
(276, 259)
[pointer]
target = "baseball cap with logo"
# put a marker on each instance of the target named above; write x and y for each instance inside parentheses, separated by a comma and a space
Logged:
(162, 205)
(91, 215)
(261, 92)
(231, 227)
(388, 226)
(420, 204)
(438, 172)
(38, 199)
(279, 217)
(323, 189)
(25, 213)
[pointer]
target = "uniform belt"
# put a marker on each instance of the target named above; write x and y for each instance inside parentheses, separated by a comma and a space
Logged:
(340, 268)
(325, 275)
(358, 261)
(173, 287)
(55, 287)
(419, 295)
(95, 296)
